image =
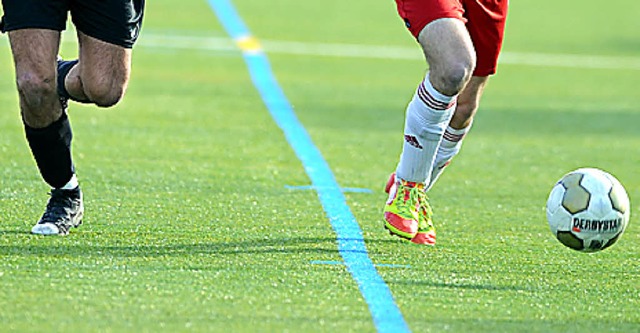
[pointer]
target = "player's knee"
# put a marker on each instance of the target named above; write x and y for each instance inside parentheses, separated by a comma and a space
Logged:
(104, 96)
(35, 88)
(108, 99)
(453, 78)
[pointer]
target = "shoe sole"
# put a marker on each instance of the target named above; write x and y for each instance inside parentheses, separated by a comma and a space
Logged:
(412, 240)
(395, 232)
(424, 239)
(76, 221)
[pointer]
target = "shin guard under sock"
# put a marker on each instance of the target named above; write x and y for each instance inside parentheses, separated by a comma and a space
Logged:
(51, 148)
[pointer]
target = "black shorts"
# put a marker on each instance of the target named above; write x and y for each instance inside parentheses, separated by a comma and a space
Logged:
(113, 21)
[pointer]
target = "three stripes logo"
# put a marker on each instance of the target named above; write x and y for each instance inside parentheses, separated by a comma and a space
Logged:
(412, 140)
(433, 102)
(453, 137)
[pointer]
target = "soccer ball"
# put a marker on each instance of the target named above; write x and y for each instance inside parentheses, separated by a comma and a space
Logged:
(588, 210)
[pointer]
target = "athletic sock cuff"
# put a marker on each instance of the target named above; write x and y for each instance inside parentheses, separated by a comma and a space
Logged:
(453, 137)
(435, 94)
(63, 70)
(54, 126)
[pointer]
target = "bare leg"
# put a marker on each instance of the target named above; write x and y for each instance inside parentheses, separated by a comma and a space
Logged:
(102, 74)
(46, 127)
(450, 54)
(468, 102)
(451, 57)
(459, 126)
(34, 54)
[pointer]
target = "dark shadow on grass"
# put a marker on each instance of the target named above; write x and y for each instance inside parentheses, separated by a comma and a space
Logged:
(389, 239)
(454, 285)
(14, 232)
(325, 245)
(299, 245)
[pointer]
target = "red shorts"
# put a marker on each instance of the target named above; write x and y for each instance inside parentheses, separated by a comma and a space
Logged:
(485, 20)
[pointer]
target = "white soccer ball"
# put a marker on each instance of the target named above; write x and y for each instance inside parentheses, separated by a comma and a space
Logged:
(588, 210)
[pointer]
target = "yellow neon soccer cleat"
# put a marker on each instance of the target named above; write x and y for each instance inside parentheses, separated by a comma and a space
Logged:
(426, 234)
(400, 212)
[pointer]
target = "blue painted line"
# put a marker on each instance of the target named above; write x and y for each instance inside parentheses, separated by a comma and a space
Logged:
(384, 311)
(343, 190)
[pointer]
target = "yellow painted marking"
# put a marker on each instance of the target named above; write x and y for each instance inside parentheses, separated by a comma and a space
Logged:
(249, 44)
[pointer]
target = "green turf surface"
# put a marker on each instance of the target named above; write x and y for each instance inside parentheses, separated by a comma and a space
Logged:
(190, 227)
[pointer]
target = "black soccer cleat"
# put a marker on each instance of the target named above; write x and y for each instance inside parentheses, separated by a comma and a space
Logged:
(64, 210)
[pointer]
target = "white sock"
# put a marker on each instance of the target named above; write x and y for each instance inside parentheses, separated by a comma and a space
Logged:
(71, 184)
(449, 147)
(427, 117)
